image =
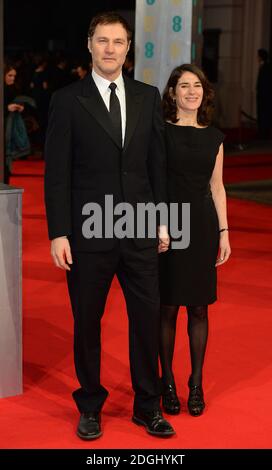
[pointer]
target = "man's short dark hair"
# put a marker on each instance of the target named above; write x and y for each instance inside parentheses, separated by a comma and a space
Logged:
(109, 17)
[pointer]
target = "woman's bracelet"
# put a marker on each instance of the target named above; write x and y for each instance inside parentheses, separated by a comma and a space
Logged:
(223, 230)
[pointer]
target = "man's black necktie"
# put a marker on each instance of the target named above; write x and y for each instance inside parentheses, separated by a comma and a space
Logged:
(115, 113)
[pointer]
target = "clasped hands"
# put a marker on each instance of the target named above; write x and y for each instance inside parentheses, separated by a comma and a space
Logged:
(12, 107)
(164, 239)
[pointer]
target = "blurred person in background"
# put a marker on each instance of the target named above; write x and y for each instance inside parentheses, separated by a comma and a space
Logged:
(129, 65)
(82, 70)
(264, 95)
(10, 107)
(40, 92)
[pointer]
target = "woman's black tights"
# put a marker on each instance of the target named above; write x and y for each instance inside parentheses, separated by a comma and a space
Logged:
(197, 329)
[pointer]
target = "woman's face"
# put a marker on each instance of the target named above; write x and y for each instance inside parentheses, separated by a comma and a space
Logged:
(189, 92)
(10, 77)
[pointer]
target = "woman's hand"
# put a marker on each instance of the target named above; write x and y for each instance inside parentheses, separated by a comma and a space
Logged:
(224, 248)
(15, 107)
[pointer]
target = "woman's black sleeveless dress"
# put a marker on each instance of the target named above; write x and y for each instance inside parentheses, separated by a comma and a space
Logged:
(188, 276)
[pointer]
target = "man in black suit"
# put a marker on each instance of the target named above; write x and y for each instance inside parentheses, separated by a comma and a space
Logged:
(105, 137)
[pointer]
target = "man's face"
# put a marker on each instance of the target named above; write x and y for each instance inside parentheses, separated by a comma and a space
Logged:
(109, 46)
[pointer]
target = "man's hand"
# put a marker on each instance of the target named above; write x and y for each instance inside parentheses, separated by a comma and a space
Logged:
(164, 239)
(61, 253)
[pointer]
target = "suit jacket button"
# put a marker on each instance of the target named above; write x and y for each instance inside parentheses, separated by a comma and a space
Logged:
(124, 173)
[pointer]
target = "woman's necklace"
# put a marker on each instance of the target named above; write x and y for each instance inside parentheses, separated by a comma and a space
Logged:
(181, 123)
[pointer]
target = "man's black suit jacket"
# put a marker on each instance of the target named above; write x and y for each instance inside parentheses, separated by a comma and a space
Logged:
(84, 161)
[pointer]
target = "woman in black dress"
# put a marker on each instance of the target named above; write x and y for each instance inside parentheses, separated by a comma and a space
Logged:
(188, 276)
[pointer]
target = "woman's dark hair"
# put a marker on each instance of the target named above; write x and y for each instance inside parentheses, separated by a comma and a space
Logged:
(109, 17)
(205, 111)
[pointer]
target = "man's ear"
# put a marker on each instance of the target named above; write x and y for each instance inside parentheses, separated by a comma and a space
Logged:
(128, 46)
(89, 45)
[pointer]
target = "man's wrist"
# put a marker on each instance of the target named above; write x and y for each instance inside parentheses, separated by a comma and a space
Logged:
(163, 231)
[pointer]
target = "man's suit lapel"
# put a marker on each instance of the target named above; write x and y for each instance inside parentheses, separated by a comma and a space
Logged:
(134, 100)
(92, 101)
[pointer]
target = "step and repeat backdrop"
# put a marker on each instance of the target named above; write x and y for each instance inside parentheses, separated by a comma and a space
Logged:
(168, 33)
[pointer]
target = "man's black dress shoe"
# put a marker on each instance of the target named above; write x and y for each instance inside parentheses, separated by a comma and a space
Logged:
(170, 401)
(89, 426)
(154, 423)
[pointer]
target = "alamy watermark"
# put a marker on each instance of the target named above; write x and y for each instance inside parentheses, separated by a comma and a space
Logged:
(146, 217)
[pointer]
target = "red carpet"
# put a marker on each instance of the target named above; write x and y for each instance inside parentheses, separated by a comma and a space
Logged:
(238, 369)
(244, 167)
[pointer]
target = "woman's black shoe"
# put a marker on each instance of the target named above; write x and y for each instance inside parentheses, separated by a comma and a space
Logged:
(170, 401)
(196, 402)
